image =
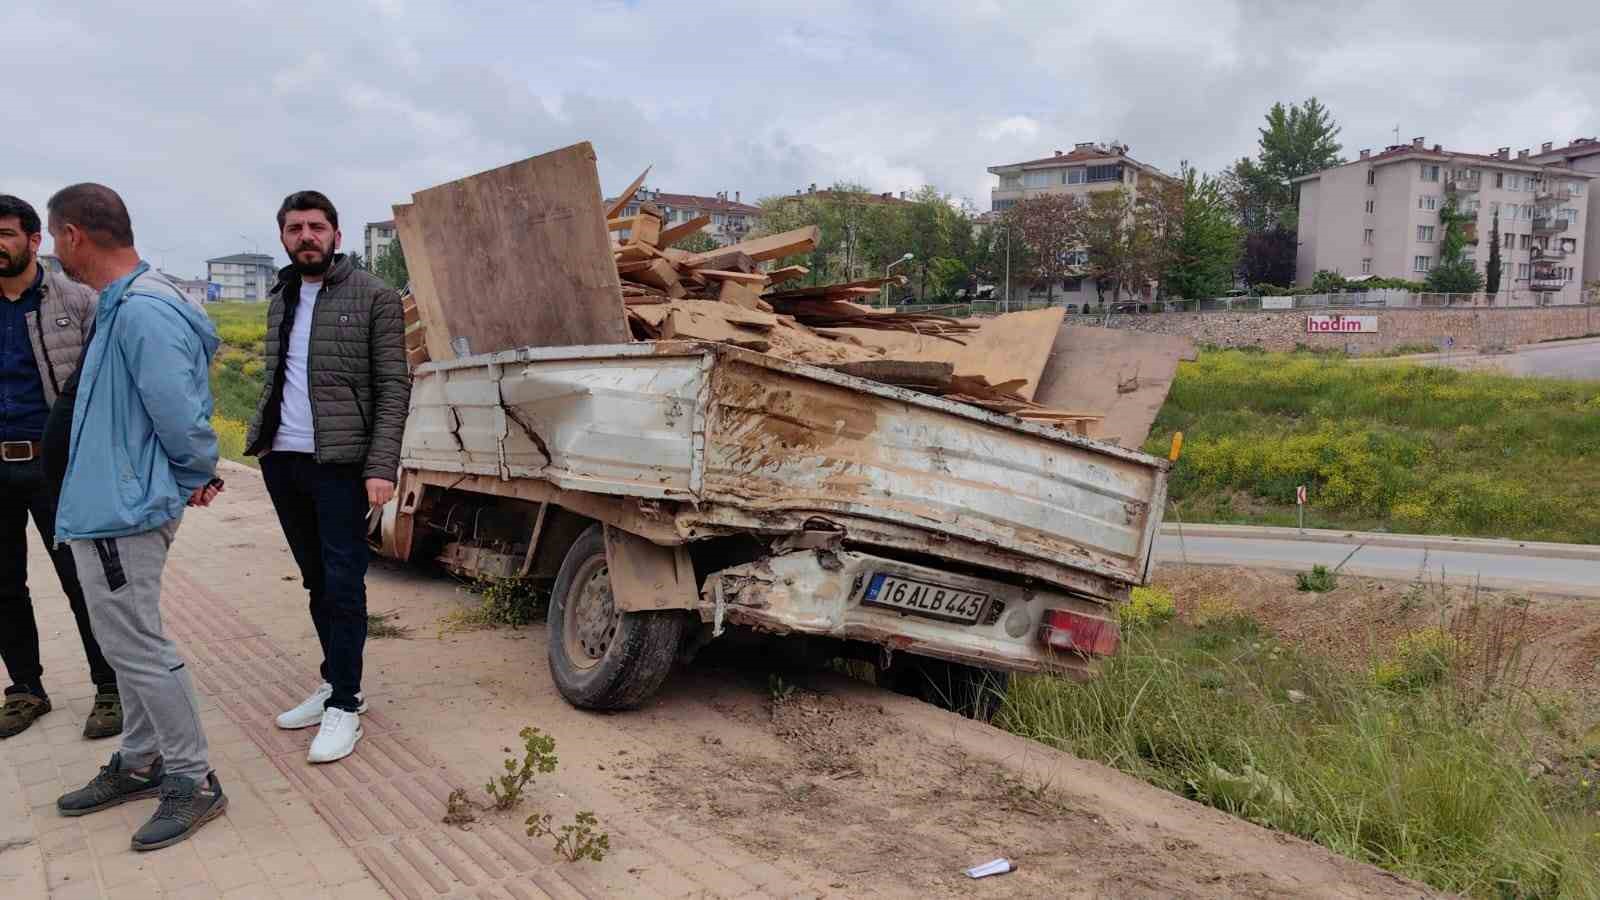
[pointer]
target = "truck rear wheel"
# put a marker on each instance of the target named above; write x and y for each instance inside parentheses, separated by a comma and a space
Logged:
(600, 656)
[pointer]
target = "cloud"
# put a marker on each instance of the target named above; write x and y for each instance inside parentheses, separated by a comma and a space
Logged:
(205, 114)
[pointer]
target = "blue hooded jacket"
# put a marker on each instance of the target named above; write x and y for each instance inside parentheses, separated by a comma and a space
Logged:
(141, 429)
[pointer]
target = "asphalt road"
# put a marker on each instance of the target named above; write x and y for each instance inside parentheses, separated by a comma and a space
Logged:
(1497, 565)
(1578, 359)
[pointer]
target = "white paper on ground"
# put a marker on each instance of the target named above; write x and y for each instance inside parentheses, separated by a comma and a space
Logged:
(998, 867)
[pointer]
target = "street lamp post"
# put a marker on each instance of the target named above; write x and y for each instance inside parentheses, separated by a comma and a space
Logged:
(904, 259)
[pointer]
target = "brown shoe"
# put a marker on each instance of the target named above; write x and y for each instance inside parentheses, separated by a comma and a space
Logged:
(105, 719)
(23, 707)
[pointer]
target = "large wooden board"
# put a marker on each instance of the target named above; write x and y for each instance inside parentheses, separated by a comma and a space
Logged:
(1004, 348)
(520, 255)
(1087, 365)
(419, 267)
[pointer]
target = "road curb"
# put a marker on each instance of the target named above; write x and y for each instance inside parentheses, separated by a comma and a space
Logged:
(1534, 549)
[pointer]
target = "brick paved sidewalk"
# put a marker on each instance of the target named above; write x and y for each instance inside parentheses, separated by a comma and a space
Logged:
(368, 826)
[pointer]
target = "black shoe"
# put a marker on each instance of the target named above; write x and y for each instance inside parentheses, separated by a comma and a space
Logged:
(23, 707)
(112, 787)
(105, 719)
(186, 804)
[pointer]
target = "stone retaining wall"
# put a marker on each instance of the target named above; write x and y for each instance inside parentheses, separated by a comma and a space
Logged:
(1285, 330)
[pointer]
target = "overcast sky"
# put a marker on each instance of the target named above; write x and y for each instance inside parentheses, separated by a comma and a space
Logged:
(204, 114)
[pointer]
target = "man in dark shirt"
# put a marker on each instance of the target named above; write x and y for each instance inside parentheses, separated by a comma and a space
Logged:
(43, 320)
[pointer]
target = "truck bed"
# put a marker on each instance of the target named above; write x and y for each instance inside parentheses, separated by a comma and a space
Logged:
(733, 440)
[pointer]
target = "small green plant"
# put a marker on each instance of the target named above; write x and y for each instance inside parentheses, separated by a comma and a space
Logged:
(1147, 607)
(540, 756)
(383, 625)
(778, 689)
(1420, 659)
(458, 810)
(1320, 580)
(502, 601)
(573, 842)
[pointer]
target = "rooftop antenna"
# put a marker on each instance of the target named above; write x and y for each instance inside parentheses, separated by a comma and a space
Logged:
(1397, 133)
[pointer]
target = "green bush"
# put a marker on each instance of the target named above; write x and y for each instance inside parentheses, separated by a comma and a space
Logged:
(1147, 607)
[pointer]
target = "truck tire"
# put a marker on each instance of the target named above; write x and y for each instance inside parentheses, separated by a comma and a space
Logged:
(601, 657)
(971, 691)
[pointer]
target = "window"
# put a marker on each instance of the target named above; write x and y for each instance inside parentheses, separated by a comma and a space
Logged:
(1523, 270)
(1366, 236)
(1366, 267)
(1576, 187)
(1105, 173)
(1077, 175)
(1371, 204)
(1037, 179)
(1509, 240)
(1430, 172)
(1527, 210)
(1072, 285)
(1077, 258)
(1525, 243)
(1569, 214)
(1421, 263)
(1003, 205)
(1428, 202)
(1010, 182)
(1425, 233)
(1372, 176)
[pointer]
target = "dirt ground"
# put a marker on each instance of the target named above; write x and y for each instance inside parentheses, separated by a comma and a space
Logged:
(842, 788)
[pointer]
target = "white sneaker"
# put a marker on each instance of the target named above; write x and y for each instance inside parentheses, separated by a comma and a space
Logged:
(309, 712)
(337, 737)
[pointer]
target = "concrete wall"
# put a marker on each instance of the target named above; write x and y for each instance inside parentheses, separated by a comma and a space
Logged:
(1396, 327)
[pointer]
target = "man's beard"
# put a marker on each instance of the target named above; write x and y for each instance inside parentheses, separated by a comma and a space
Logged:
(11, 267)
(319, 267)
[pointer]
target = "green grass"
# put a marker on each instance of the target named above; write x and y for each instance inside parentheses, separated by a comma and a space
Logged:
(1383, 446)
(1403, 767)
(236, 372)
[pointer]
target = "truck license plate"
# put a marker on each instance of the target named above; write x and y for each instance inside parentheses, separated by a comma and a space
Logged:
(920, 598)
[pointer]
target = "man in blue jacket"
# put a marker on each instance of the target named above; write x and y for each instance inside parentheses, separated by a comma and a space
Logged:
(141, 449)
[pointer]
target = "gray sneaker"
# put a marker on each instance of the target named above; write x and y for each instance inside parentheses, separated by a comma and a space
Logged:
(186, 804)
(111, 787)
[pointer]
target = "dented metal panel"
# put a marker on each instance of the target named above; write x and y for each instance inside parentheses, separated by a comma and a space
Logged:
(727, 429)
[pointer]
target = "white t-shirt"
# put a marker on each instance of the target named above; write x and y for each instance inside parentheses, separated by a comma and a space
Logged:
(295, 431)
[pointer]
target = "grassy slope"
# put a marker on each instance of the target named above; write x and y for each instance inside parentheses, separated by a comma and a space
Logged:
(1417, 765)
(1396, 447)
(236, 371)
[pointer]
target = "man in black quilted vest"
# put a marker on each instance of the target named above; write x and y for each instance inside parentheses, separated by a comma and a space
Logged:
(328, 432)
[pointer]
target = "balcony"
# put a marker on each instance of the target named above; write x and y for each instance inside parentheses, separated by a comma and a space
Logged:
(1547, 284)
(1465, 185)
(1552, 196)
(1552, 254)
(1548, 225)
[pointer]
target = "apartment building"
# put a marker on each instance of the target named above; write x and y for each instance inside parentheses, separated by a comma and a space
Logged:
(195, 290)
(1379, 215)
(732, 220)
(1088, 168)
(1583, 154)
(242, 276)
(379, 235)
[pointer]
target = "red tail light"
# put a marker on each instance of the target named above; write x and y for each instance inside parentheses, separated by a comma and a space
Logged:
(1065, 629)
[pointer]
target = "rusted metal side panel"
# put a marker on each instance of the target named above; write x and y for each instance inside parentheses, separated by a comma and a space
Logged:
(782, 441)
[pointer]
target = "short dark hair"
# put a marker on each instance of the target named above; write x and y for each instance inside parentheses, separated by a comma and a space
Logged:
(20, 209)
(97, 210)
(300, 201)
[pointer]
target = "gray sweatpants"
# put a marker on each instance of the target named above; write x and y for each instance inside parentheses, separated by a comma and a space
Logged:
(122, 588)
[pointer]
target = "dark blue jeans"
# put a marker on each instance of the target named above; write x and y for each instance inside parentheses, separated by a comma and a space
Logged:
(323, 510)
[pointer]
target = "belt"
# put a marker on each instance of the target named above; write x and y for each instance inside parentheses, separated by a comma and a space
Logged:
(19, 451)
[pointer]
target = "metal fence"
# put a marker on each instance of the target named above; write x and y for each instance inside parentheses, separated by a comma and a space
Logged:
(1373, 299)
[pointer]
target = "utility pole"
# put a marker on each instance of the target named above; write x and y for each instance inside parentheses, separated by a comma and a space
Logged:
(1008, 268)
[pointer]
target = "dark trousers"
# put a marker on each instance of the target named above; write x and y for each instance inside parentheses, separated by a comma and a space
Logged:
(25, 491)
(323, 510)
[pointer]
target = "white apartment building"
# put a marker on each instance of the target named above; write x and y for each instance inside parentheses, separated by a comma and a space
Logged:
(379, 235)
(1379, 215)
(195, 290)
(242, 276)
(731, 220)
(1088, 168)
(1583, 154)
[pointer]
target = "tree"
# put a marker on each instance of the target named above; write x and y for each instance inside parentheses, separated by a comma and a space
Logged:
(1205, 248)
(1048, 228)
(391, 266)
(1491, 270)
(1298, 140)
(1125, 235)
(698, 242)
(1454, 273)
(357, 260)
(1269, 257)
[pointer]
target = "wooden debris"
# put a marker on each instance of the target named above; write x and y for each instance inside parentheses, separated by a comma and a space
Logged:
(930, 377)
(776, 246)
(787, 273)
(683, 229)
(621, 203)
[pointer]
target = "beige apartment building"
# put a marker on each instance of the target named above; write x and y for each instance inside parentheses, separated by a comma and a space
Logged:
(1088, 168)
(1583, 154)
(732, 220)
(1379, 216)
